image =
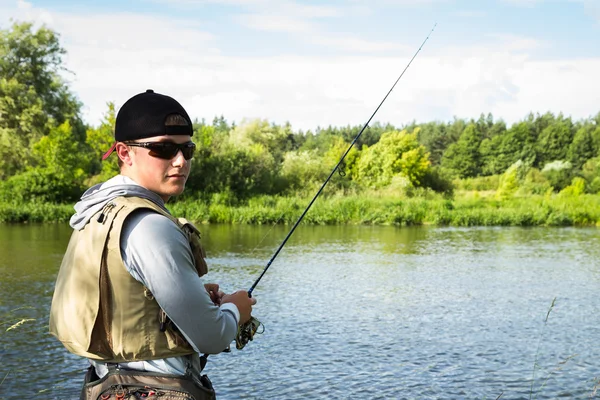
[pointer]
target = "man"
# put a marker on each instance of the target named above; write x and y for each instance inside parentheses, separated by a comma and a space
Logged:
(128, 294)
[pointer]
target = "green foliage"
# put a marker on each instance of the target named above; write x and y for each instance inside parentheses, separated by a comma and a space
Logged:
(535, 183)
(594, 186)
(481, 183)
(59, 151)
(439, 181)
(582, 148)
(241, 162)
(554, 141)
(274, 139)
(576, 188)
(324, 138)
(433, 136)
(591, 173)
(39, 185)
(503, 150)
(99, 140)
(463, 157)
(303, 170)
(396, 153)
(510, 180)
(558, 173)
(13, 212)
(33, 96)
(46, 155)
(59, 175)
(373, 208)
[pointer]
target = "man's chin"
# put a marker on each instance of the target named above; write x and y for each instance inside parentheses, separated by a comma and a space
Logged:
(173, 190)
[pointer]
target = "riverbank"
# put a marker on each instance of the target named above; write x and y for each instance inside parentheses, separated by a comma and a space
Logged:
(466, 209)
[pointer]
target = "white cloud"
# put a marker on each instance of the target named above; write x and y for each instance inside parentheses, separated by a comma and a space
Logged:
(508, 42)
(524, 3)
(275, 23)
(275, 6)
(312, 32)
(115, 56)
(592, 7)
(469, 13)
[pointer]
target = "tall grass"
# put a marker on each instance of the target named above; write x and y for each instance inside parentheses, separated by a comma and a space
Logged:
(467, 209)
(583, 210)
(35, 212)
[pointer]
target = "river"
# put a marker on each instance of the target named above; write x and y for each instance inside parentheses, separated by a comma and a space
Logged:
(357, 312)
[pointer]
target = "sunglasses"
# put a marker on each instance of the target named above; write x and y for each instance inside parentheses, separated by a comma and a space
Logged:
(167, 150)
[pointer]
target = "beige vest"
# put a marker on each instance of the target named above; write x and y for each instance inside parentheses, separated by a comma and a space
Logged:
(99, 310)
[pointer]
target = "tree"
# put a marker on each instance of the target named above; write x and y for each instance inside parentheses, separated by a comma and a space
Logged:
(99, 140)
(582, 147)
(488, 128)
(463, 157)
(62, 165)
(33, 96)
(559, 174)
(501, 151)
(303, 171)
(554, 140)
(396, 153)
(434, 137)
(274, 139)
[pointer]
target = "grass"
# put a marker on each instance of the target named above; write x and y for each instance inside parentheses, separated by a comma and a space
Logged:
(35, 212)
(8, 317)
(540, 210)
(466, 209)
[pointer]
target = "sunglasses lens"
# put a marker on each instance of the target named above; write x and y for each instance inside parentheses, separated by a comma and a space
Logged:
(162, 150)
(188, 152)
(169, 150)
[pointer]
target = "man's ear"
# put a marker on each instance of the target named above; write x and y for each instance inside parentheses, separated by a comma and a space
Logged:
(124, 152)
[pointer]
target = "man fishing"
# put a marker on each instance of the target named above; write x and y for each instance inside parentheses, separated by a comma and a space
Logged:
(128, 295)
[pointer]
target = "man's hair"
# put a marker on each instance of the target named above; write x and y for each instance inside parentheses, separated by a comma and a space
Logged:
(175, 120)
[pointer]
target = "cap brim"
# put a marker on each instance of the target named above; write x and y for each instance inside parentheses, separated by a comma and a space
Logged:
(108, 153)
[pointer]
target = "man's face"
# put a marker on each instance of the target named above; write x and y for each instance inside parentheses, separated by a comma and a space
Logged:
(164, 177)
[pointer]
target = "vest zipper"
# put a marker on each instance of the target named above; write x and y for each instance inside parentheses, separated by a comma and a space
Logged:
(105, 210)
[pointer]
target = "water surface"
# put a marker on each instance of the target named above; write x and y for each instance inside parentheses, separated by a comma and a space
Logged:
(357, 312)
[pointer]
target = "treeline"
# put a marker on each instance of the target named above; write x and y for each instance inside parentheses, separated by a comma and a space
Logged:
(47, 154)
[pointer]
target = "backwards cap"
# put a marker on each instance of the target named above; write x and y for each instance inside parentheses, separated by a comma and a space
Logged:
(150, 114)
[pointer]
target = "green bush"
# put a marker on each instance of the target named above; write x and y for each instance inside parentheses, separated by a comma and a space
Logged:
(594, 186)
(439, 181)
(559, 174)
(576, 188)
(535, 183)
(480, 183)
(41, 185)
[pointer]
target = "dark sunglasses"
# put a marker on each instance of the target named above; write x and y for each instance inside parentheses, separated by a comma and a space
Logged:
(167, 150)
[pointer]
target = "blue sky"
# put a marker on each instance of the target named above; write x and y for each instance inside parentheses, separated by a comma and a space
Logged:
(316, 63)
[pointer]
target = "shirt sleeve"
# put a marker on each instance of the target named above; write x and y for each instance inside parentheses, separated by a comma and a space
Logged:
(157, 254)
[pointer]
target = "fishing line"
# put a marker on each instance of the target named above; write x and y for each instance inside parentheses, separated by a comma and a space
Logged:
(336, 167)
(247, 331)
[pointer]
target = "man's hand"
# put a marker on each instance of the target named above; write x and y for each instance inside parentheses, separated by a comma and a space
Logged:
(215, 294)
(242, 302)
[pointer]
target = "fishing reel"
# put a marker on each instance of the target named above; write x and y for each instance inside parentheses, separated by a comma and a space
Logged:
(247, 331)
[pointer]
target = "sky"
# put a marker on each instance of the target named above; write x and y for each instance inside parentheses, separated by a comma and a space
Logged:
(330, 62)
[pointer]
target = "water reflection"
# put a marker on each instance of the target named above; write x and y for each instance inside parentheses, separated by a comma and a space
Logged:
(355, 311)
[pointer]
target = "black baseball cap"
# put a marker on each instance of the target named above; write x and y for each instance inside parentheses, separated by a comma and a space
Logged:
(145, 115)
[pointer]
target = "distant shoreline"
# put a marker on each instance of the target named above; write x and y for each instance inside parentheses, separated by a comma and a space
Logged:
(466, 209)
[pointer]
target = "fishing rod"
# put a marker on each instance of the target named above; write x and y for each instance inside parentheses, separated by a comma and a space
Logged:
(336, 167)
(247, 331)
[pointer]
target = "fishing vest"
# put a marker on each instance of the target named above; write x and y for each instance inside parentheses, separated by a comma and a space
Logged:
(99, 310)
